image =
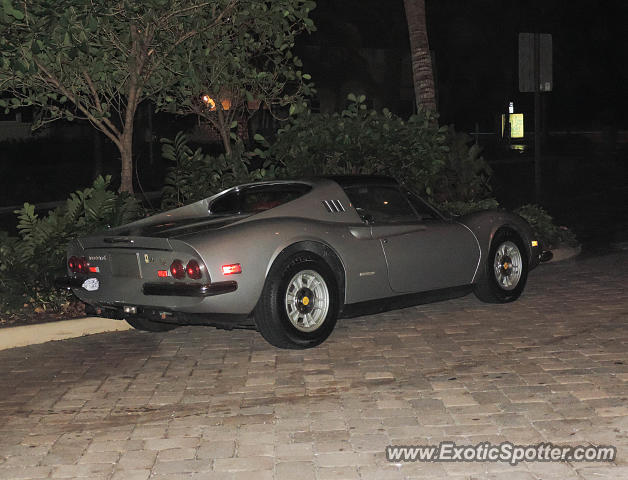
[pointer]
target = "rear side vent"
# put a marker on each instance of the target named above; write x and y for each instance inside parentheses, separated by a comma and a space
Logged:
(333, 206)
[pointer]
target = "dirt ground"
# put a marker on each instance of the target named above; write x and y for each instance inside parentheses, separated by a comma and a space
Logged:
(29, 316)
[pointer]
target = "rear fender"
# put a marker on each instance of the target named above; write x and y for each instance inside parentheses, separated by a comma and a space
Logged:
(322, 250)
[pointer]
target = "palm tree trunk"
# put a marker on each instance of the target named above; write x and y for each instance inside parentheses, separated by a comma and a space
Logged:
(424, 90)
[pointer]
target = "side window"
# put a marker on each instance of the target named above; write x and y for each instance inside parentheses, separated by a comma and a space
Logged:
(228, 203)
(425, 212)
(380, 204)
(257, 199)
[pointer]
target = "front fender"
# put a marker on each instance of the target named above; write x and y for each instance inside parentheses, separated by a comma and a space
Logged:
(487, 223)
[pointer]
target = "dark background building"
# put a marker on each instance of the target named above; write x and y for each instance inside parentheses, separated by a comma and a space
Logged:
(362, 46)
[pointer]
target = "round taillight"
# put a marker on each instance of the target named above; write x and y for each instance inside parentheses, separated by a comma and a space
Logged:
(177, 270)
(81, 265)
(72, 261)
(193, 270)
(77, 264)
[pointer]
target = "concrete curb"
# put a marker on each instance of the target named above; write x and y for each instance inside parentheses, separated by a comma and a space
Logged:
(565, 253)
(11, 337)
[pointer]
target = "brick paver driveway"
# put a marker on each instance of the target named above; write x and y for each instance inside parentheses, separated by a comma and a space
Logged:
(203, 403)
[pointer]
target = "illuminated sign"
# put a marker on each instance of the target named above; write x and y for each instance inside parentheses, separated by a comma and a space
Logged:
(516, 125)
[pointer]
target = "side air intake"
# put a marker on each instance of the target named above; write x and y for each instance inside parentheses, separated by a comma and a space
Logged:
(333, 206)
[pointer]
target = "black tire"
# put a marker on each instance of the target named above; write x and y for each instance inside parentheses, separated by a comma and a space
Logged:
(146, 325)
(489, 288)
(273, 308)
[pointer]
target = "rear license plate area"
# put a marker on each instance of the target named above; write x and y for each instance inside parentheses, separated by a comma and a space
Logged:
(125, 265)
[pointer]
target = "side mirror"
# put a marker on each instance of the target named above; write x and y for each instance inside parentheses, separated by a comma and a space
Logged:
(366, 217)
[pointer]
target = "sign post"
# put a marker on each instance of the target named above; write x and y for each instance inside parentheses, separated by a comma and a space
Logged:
(537, 117)
(535, 75)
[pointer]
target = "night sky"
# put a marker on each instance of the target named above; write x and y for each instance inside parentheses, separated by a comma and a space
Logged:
(475, 45)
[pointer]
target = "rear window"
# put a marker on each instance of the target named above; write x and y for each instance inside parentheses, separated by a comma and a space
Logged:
(255, 199)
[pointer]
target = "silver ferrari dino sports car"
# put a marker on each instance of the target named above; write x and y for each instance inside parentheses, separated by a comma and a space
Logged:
(291, 257)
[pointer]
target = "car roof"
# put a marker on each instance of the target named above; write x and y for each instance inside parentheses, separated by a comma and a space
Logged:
(341, 180)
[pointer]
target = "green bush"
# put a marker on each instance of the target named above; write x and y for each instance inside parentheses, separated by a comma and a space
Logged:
(30, 262)
(461, 207)
(362, 141)
(549, 234)
(195, 175)
(11, 274)
(465, 176)
(544, 227)
(435, 161)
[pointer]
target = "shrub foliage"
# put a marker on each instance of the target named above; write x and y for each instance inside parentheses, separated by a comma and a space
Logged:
(545, 228)
(433, 160)
(194, 175)
(30, 262)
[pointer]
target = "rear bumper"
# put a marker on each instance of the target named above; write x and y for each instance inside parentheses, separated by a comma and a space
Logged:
(227, 321)
(198, 290)
(189, 289)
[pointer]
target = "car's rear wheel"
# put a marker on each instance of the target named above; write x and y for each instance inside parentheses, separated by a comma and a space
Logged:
(299, 304)
(144, 324)
(505, 270)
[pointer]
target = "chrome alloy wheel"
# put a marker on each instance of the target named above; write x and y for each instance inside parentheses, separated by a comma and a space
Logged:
(508, 265)
(307, 300)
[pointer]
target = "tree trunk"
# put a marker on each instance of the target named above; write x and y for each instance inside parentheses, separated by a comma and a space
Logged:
(126, 157)
(126, 146)
(422, 72)
(136, 65)
(224, 133)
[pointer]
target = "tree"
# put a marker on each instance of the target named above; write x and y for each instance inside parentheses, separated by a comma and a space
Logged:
(99, 59)
(252, 66)
(422, 72)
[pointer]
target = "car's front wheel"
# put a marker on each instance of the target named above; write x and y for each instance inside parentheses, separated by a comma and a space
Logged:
(299, 304)
(144, 324)
(505, 270)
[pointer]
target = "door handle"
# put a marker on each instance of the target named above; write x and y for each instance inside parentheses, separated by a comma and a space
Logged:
(384, 240)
